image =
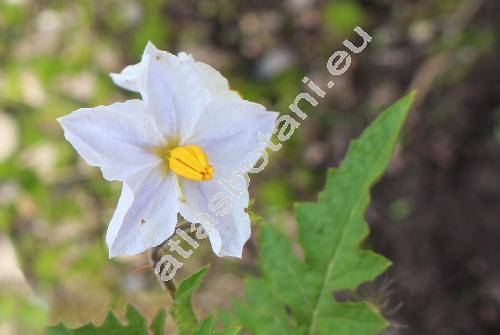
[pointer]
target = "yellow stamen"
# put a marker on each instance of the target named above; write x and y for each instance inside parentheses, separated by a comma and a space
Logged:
(190, 162)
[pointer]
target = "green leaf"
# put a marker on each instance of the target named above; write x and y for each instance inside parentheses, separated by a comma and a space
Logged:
(206, 327)
(183, 310)
(295, 296)
(136, 325)
(158, 323)
(262, 313)
(229, 331)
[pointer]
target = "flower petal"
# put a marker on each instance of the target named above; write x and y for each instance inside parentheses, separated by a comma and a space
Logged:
(153, 202)
(174, 93)
(131, 75)
(228, 233)
(116, 138)
(213, 80)
(127, 79)
(228, 131)
(124, 203)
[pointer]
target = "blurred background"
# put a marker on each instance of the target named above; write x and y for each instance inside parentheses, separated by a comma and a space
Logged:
(435, 213)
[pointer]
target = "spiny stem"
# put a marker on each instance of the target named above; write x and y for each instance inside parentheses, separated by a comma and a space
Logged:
(159, 251)
(184, 226)
(156, 255)
(171, 287)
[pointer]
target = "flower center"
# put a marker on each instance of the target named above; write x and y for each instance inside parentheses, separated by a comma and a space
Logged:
(190, 162)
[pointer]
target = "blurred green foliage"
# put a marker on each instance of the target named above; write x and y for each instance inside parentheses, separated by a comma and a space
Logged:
(182, 311)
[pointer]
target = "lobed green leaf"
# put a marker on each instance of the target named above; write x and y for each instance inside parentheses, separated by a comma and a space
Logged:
(183, 310)
(295, 296)
(136, 325)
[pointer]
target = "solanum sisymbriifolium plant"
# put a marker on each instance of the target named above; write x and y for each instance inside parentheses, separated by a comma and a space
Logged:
(172, 150)
(169, 148)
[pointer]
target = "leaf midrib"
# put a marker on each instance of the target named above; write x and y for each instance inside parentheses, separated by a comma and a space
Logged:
(341, 241)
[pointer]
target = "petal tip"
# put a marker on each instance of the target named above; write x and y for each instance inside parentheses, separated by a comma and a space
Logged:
(60, 120)
(114, 76)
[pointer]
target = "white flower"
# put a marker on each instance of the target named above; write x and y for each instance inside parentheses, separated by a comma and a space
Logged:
(170, 149)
